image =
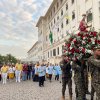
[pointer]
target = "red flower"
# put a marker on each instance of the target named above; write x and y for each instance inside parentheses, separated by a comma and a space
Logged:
(83, 37)
(94, 34)
(99, 41)
(70, 39)
(77, 50)
(96, 41)
(72, 50)
(68, 45)
(87, 35)
(89, 40)
(79, 34)
(83, 50)
(75, 41)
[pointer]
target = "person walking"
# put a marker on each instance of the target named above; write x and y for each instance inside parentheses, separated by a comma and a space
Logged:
(66, 77)
(47, 75)
(44, 73)
(36, 77)
(29, 70)
(55, 72)
(94, 65)
(50, 71)
(11, 72)
(24, 72)
(59, 71)
(4, 71)
(18, 71)
(33, 71)
(0, 75)
(41, 73)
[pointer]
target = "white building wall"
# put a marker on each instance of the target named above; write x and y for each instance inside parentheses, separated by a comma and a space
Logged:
(79, 7)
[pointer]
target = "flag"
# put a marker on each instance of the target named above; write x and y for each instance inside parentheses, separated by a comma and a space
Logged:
(51, 37)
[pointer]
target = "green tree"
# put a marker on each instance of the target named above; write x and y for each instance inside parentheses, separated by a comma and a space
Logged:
(7, 59)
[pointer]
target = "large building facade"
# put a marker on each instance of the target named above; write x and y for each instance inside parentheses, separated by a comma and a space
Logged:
(63, 18)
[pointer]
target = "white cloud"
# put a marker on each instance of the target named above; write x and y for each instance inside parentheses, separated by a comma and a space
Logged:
(25, 16)
(17, 24)
(2, 15)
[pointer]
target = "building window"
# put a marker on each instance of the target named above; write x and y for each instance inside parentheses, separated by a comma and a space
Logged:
(46, 38)
(86, 0)
(73, 15)
(54, 9)
(57, 17)
(57, 5)
(72, 1)
(51, 53)
(89, 16)
(54, 21)
(67, 21)
(61, 1)
(61, 12)
(48, 54)
(51, 14)
(58, 50)
(54, 52)
(58, 30)
(62, 49)
(62, 25)
(49, 18)
(66, 6)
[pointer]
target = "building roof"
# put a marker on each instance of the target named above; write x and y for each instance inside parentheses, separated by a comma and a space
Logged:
(33, 46)
(39, 20)
(42, 17)
(54, 1)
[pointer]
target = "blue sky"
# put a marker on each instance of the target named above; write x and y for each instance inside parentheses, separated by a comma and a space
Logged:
(18, 19)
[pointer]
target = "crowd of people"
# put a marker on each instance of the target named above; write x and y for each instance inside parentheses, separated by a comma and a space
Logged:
(82, 68)
(37, 72)
(62, 72)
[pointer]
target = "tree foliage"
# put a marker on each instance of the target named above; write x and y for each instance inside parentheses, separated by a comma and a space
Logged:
(7, 59)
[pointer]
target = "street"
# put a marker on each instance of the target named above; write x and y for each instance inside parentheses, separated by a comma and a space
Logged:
(29, 90)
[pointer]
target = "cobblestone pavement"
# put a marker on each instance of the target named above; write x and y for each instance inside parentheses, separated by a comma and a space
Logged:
(29, 90)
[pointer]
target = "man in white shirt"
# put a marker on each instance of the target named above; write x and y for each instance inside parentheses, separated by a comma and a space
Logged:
(50, 71)
(41, 73)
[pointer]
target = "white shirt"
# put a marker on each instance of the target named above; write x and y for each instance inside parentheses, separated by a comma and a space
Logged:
(10, 70)
(41, 71)
(50, 70)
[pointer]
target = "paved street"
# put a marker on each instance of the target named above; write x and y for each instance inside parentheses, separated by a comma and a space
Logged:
(29, 90)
